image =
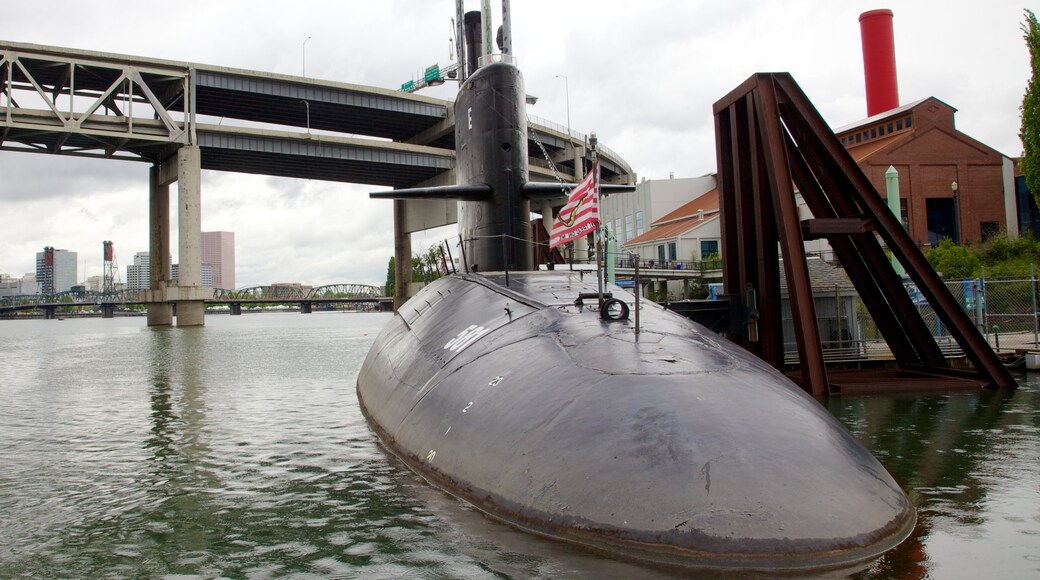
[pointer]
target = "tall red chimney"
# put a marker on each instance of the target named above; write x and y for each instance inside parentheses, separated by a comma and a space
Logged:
(879, 61)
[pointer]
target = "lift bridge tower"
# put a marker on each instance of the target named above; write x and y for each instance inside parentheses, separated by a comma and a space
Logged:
(109, 269)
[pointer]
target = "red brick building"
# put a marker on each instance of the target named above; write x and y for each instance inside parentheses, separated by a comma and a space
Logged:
(921, 141)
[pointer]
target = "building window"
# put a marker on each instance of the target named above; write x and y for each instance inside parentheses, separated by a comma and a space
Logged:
(857, 137)
(671, 251)
(873, 132)
(881, 130)
(988, 230)
(617, 230)
(639, 223)
(660, 254)
(709, 248)
(890, 127)
(899, 125)
(628, 228)
(866, 135)
(909, 122)
(904, 213)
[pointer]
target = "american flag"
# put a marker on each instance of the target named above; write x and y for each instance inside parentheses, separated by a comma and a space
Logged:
(581, 214)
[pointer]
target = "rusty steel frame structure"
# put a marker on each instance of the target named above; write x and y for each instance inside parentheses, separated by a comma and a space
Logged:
(770, 140)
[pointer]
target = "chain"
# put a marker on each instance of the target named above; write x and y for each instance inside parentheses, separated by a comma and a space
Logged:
(552, 166)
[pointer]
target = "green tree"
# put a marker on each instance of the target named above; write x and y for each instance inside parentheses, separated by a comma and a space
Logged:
(1030, 133)
(425, 268)
(391, 277)
(426, 265)
(953, 261)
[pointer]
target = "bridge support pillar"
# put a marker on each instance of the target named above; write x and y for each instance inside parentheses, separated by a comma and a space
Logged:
(306, 307)
(159, 313)
(50, 312)
(236, 309)
(108, 311)
(189, 235)
(191, 313)
(402, 255)
(186, 169)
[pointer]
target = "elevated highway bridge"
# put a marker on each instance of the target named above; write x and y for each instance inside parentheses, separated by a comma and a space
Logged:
(171, 115)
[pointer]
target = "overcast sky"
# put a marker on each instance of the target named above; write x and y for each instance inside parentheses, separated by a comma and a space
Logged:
(642, 75)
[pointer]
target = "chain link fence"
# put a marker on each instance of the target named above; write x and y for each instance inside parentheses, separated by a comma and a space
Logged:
(1005, 310)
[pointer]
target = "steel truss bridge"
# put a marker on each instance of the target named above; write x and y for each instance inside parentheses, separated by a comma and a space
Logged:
(86, 103)
(273, 294)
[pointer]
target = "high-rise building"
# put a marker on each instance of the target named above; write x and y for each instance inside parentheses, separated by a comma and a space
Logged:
(56, 270)
(138, 275)
(218, 250)
(206, 274)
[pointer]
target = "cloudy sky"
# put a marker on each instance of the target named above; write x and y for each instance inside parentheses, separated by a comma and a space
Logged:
(643, 75)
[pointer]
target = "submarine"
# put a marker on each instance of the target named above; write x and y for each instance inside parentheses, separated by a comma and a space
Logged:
(524, 394)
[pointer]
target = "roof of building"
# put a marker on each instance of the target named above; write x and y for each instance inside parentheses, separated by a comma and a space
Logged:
(822, 275)
(862, 151)
(880, 116)
(685, 218)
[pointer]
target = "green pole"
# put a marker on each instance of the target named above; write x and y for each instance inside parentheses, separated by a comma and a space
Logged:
(892, 187)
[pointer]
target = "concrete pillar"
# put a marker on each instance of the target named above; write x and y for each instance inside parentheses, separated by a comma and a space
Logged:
(108, 311)
(547, 221)
(190, 310)
(306, 308)
(50, 312)
(236, 309)
(402, 255)
(159, 313)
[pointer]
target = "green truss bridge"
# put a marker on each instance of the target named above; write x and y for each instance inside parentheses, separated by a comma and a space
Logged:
(109, 302)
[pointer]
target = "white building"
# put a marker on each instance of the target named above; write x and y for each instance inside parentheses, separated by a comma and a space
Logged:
(629, 215)
(138, 275)
(207, 274)
(94, 284)
(691, 233)
(56, 270)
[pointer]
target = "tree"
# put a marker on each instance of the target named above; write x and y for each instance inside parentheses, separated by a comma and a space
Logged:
(391, 277)
(426, 267)
(1030, 133)
(953, 261)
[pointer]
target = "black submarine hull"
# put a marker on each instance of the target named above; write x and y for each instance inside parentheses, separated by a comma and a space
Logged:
(673, 446)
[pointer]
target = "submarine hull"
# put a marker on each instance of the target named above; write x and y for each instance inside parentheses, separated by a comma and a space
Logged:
(672, 445)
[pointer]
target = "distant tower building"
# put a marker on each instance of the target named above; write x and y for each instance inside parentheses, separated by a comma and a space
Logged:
(109, 269)
(218, 250)
(56, 270)
(207, 274)
(138, 275)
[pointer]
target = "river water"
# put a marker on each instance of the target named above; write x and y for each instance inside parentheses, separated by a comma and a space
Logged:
(238, 450)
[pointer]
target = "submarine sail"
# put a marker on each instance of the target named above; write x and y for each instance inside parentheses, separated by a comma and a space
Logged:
(671, 445)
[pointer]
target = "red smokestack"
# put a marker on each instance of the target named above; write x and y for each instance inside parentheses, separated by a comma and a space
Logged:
(879, 61)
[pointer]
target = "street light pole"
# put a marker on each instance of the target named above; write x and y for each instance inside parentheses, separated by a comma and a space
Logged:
(956, 213)
(305, 56)
(567, 89)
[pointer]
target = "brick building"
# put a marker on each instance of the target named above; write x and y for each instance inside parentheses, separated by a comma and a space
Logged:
(950, 185)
